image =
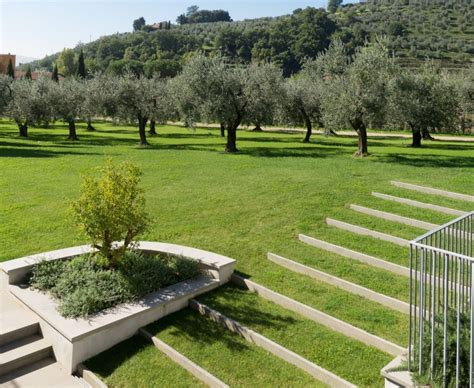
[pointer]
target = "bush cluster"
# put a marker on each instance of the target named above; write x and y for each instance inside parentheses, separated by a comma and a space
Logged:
(437, 380)
(86, 285)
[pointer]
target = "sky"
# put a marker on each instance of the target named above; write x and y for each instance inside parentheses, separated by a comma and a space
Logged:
(35, 28)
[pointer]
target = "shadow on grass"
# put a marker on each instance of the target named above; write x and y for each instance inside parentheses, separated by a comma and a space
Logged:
(428, 160)
(25, 152)
(226, 301)
(190, 325)
(107, 362)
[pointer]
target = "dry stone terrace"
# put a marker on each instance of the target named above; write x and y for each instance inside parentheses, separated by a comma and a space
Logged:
(27, 356)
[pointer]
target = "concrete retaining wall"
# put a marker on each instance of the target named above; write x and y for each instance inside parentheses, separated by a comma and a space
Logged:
(76, 340)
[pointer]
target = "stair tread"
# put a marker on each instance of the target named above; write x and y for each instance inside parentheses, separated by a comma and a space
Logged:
(22, 348)
(46, 373)
(13, 316)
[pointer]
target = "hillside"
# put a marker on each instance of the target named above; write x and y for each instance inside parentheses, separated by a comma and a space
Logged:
(439, 31)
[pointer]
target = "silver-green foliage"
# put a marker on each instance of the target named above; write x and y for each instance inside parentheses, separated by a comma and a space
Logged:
(423, 100)
(85, 286)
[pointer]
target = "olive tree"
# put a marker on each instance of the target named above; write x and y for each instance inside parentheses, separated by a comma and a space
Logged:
(300, 103)
(129, 98)
(163, 107)
(30, 102)
(463, 83)
(68, 99)
(424, 101)
(212, 90)
(357, 98)
(263, 89)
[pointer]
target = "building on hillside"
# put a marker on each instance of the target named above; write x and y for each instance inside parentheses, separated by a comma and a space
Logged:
(160, 26)
(5, 60)
(35, 74)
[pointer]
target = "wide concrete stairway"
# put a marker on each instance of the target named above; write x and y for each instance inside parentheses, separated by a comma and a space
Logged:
(26, 358)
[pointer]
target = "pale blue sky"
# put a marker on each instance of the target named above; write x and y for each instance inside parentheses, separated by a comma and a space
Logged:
(36, 28)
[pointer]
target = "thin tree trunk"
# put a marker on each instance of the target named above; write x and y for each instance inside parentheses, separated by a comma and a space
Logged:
(152, 130)
(23, 128)
(360, 128)
(72, 130)
(90, 127)
(257, 128)
(231, 140)
(309, 126)
(142, 130)
(416, 139)
(222, 130)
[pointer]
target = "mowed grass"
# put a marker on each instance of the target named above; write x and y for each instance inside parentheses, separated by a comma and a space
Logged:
(137, 363)
(226, 355)
(243, 205)
(347, 358)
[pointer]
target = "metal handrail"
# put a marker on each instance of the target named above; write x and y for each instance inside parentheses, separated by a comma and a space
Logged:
(442, 290)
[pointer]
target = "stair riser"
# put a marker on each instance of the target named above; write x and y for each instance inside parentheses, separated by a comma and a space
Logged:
(25, 360)
(15, 335)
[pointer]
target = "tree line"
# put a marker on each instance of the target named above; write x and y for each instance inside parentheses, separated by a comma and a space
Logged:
(336, 90)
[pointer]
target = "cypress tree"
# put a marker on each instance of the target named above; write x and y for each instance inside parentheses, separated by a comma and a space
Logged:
(81, 66)
(54, 75)
(10, 70)
(28, 73)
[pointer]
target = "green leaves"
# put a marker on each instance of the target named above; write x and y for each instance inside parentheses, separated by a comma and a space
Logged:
(112, 209)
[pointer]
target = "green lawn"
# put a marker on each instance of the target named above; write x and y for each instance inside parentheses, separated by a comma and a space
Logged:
(242, 205)
(136, 363)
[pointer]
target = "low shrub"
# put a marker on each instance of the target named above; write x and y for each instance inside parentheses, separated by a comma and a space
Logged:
(86, 285)
(437, 380)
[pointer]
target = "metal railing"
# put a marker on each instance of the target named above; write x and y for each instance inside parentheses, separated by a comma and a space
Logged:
(442, 304)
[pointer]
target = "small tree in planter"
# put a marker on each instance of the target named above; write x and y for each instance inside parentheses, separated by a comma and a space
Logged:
(111, 210)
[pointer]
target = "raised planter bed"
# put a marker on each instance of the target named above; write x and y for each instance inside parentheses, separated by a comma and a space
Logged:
(76, 340)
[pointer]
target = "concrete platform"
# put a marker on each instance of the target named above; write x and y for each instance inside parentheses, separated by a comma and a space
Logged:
(44, 374)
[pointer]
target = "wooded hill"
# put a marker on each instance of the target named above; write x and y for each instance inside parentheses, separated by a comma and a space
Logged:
(417, 29)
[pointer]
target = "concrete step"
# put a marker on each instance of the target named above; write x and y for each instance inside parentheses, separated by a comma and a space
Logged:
(422, 205)
(14, 318)
(367, 232)
(350, 254)
(23, 352)
(16, 333)
(45, 373)
(394, 217)
(345, 285)
(430, 190)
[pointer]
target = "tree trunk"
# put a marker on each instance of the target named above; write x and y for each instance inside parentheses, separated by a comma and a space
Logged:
(222, 130)
(309, 126)
(90, 127)
(142, 130)
(72, 130)
(23, 128)
(416, 142)
(231, 139)
(360, 128)
(257, 128)
(426, 135)
(152, 130)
